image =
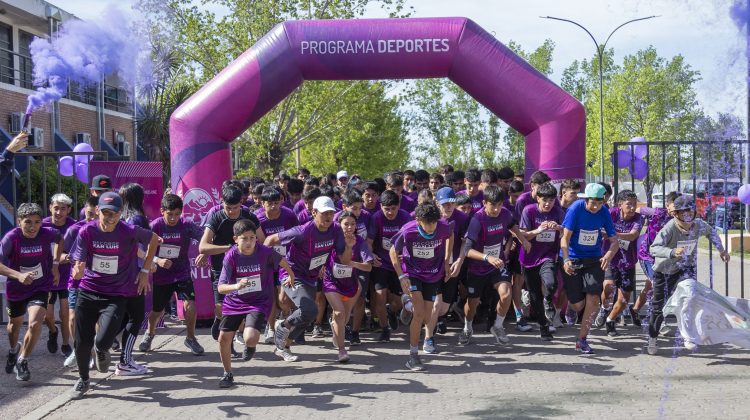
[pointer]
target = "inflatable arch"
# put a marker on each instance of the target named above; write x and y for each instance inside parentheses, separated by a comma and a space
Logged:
(552, 121)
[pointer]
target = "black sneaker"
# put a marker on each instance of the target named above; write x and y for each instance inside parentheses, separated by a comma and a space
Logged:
(52, 341)
(392, 320)
(102, 361)
(385, 336)
(79, 389)
(215, 328)
(635, 316)
(441, 328)
(247, 354)
(22, 370)
(545, 334)
(348, 333)
(611, 330)
(11, 363)
(355, 341)
(227, 381)
(66, 350)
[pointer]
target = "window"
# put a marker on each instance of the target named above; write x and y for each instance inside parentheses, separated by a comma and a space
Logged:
(6, 53)
(25, 67)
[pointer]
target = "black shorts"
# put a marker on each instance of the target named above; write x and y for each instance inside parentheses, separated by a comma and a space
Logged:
(18, 308)
(162, 293)
(476, 283)
(255, 320)
(587, 279)
(385, 279)
(54, 295)
(624, 278)
(218, 297)
(429, 290)
(513, 264)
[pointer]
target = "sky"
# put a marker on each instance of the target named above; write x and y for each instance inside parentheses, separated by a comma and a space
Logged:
(700, 30)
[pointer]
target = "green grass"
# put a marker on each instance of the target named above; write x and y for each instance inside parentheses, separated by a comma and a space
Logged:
(703, 242)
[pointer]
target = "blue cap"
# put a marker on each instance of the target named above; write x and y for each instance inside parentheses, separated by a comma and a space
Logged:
(110, 201)
(446, 195)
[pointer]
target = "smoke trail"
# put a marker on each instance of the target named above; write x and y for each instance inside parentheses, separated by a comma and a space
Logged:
(86, 51)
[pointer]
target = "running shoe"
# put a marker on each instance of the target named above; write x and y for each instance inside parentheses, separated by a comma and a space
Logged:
(355, 341)
(500, 336)
(22, 370)
(317, 332)
(281, 334)
(215, 328)
(556, 321)
(194, 346)
(571, 316)
(582, 345)
(442, 327)
(635, 316)
(405, 316)
(70, 361)
(348, 333)
(130, 369)
(239, 339)
(551, 328)
(601, 318)
(102, 361)
(145, 344)
(464, 337)
(392, 319)
(52, 341)
(414, 363)
(268, 335)
(690, 345)
(115, 345)
(80, 388)
(227, 381)
(522, 325)
(611, 330)
(247, 354)
(287, 355)
(652, 348)
(429, 346)
(235, 353)
(545, 333)
(66, 350)
(385, 336)
(10, 364)
(343, 357)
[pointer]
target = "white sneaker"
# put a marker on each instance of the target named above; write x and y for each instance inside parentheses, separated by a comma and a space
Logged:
(551, 328)
(500, 336)
(287, 355)
(690, 345)
(652, 347)
(130, 369)
(70, 361)
(556, 321)
(268, 336)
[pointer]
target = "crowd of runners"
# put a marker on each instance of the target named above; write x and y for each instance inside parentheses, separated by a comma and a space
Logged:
(300, 255)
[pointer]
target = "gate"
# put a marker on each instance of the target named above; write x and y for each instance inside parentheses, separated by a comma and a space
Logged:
(711, 172)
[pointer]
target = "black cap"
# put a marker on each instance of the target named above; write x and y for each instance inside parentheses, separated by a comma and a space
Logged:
(101, 183)
(684, 203)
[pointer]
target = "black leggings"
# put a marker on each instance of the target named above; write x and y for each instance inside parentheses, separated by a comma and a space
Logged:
(664, 285)
(542, 283)
(135, 308)
(92, 308)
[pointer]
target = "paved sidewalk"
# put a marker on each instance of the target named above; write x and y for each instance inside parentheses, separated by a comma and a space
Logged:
(529, 380)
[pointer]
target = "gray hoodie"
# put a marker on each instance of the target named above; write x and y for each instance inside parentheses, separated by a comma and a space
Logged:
(671, 237)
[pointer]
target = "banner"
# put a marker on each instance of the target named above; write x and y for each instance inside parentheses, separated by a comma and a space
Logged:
(706, 317)
(149, 175)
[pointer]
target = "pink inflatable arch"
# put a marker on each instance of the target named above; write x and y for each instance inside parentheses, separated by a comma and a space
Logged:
(201, 129)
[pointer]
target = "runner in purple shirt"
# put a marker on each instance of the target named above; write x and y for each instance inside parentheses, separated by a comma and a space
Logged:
(106, 262)
(515, 189)
(304, 214)
(384, 224)
(472, 181)
(542, 223)
(247, 283)
(59, 208)
(569, 190)
(371, 197)
(275, 219)
(487, 246)
(99, 185)
(423, 247)
(341, 283)
(308, 248)
(30, 258)
(620, 276)
(395, 182)
(173, 273)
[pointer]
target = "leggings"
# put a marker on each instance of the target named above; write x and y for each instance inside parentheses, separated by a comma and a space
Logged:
(90, 309)
(664, 285)
(303, 296)
(135, 308)
(542, 283)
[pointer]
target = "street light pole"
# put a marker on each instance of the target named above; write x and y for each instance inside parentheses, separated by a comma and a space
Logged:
(600, 54)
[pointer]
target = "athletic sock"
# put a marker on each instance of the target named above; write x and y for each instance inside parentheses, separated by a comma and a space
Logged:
(499, 321)
(468, 324)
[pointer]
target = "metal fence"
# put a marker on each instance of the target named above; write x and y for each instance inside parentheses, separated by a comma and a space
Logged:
(709, 171)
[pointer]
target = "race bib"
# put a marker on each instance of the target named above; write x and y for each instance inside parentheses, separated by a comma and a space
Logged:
(546, 236)
(36, 271)
(588, 237)
(362, 232)
(253, 284)
(425, 253)
(493, 250)
(624, 245)
(689, 246)
(341, 271)
(105, 264)
(386, 242)
(280, 249)
(318, 261)
(169, 251)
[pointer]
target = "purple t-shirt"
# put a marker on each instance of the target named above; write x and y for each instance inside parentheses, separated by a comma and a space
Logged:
(546, 245)
(64, 267)
(69, 242)
(286, 220)
(308, 249)
(111, 258)
(459, 223)
(657, 219)
(363, 221)
(381, 232)
(476, 202)
(407, 203)
(176, 241)
(260, 268)
(29, 255)
(342, 279)
(489, 236)
(299, 206)
(413, 195)
(423, 259)
(627, 256)
(304, 216)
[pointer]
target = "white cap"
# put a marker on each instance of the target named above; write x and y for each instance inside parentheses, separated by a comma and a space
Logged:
(342, 174)
(323, 204)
